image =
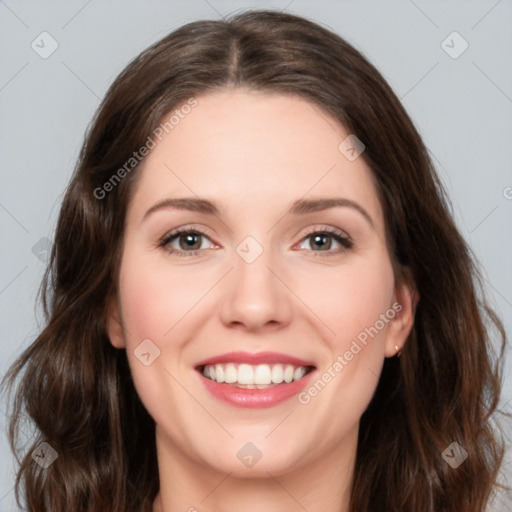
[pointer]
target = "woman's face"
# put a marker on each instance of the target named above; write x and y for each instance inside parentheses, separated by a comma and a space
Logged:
(266, 282)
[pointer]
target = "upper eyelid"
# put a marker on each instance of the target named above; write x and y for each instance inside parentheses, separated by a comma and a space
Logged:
(328, 229)
(186, 229)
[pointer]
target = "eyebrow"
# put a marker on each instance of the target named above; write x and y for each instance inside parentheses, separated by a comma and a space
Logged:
(299, 207)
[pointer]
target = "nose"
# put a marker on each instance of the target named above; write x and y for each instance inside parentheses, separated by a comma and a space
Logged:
(256, 297)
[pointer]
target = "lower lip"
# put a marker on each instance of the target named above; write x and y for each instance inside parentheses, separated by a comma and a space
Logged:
(255, 398)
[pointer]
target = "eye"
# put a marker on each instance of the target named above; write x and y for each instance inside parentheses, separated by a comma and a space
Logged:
(190, 241)
(184, 242)
(323, 240)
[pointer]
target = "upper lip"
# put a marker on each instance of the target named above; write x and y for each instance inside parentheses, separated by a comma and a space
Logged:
(255, 359)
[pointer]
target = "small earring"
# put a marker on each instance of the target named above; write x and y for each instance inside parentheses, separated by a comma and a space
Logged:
(398, 351)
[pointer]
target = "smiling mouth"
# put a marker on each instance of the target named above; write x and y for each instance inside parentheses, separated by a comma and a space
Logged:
(261, 376)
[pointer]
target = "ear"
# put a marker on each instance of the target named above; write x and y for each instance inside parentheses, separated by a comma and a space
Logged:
(406, 298)
(114, 324)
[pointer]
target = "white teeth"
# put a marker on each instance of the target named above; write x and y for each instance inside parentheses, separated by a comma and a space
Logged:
(245, 374)
(219, 372)
(299, 373)
(259, 376)
(288, 373)
(230, 373)
(277, 374)
(262, 374)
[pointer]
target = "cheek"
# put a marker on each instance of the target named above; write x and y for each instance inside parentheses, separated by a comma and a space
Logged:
(154, 300)
(152, 303)
(365, 295)
(350, 303)
(158, 303)
(349, 299)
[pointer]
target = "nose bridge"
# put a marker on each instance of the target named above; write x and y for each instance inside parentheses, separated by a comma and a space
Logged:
(255, 296)
(251, 264)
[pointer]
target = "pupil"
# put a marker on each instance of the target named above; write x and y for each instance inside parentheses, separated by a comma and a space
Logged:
(189, 240)
(321, 237)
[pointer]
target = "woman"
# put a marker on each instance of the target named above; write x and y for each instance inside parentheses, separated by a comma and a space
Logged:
(207, 346)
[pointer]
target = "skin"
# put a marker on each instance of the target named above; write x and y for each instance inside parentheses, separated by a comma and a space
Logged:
(254, 154)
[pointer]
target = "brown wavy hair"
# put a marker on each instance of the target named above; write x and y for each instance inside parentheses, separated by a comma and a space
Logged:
(77, 389)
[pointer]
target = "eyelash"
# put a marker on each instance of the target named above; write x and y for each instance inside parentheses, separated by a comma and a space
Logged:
(341, 237)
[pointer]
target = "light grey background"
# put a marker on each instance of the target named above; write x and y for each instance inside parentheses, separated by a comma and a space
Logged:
(462, 107)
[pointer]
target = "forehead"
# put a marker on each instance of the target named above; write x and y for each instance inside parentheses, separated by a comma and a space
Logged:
(253, 151)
